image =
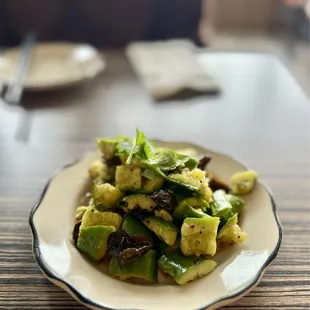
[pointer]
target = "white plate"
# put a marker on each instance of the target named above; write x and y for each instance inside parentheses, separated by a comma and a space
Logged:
(54, 65)
(239, 268)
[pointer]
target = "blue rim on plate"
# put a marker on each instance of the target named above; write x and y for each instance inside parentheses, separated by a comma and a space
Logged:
(87, 302)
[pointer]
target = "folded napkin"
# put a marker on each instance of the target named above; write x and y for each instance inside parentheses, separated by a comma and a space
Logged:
(168, 68)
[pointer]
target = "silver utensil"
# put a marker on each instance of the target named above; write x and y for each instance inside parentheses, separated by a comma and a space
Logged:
(14, 90)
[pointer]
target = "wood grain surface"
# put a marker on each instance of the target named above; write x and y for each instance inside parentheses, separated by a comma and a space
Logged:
(261, 118)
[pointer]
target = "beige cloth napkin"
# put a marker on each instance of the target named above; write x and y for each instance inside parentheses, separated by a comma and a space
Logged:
(167, 68)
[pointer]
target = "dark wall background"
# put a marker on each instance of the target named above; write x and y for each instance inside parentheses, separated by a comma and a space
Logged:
(99, 22)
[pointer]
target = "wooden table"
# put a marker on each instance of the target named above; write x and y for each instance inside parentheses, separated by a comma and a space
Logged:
(262, 118)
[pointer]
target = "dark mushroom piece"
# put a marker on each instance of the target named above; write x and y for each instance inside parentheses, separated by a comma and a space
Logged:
(216, 184)
(125, 247)
(138, 213)
(203, 162)
(112, 162)
(75, 232)
(164, 200)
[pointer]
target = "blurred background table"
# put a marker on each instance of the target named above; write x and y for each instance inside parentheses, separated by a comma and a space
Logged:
(261, 118)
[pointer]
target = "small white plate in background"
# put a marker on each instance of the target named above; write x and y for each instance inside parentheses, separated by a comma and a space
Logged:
(54, 65)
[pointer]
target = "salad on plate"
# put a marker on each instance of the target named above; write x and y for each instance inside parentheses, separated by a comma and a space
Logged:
(152, 209)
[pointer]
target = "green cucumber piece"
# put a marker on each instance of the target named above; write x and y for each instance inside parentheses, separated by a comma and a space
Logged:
(185, 269)
(243, 182)
(80, 212)
(184, 210)
(140, 202)
(93, 217)
(220, 206)
(191, 180)
(144, 267)
(198, 235)
(93, 240)
(236, 203)
(231, 232)
(128, 178)
(164, 230)
(98, 171)
(136, 228)
(198, 203)
(107, 146)
(150, 186)
(105, 196)
(164, 215)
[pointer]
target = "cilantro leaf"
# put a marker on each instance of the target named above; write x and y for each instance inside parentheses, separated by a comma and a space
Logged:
(160, 161)
(137, 146)
(149, 150)
(187, 161)
(123, 148)
(166, 161)
(149, 173)
(191, 163)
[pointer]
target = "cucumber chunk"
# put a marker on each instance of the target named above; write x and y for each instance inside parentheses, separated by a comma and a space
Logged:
(243, 182)
(128, 178)
(80, 212)
(136, 228)
(93, 217)
(93, 240)
(107, 146)
(184, 210)
(236, 203)
(105, 196)
(164, 230)
(198, 236)
(220, 206)
(208, 196)
(140, 202)
(150, 186)
(98, 172)
(144, 267)
(198, 203)
(192, 180)
(231, 232)
(164, 215)
(185, 269)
